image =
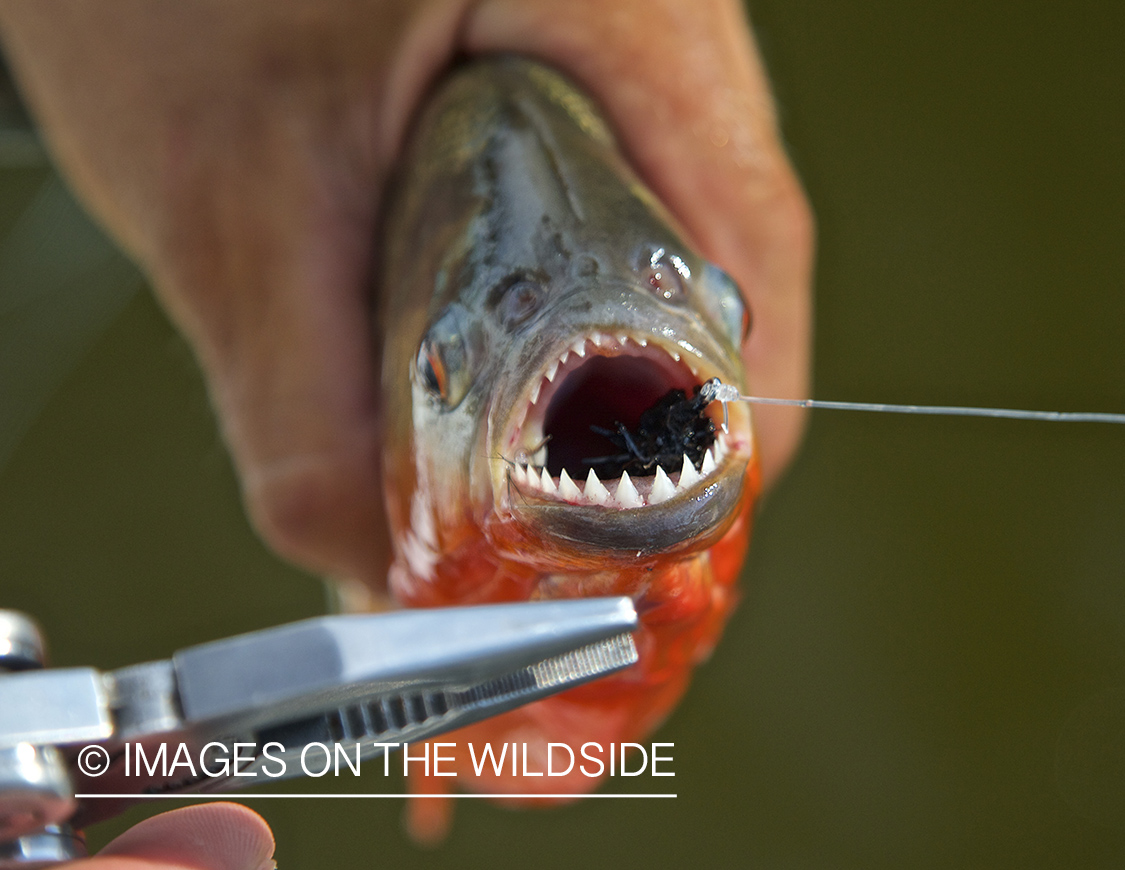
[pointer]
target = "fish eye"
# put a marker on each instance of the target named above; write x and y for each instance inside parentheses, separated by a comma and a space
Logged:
(723, 303)
(666, 276)
(521, 301)
(443, 360)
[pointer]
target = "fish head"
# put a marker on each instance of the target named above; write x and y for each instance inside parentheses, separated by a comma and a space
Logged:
(549, 309)
(590, 445)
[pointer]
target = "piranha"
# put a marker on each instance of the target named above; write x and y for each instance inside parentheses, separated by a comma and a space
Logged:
(547, 328)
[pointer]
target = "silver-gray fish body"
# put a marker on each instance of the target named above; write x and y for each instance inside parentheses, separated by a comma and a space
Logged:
(520, 248)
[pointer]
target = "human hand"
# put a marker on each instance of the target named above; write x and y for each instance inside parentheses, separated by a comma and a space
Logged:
(213, 836)
(240, 154)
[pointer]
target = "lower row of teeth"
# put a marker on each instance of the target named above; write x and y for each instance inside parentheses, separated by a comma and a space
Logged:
(622, 493)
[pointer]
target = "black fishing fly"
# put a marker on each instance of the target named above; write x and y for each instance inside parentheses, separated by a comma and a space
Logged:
(673, 428)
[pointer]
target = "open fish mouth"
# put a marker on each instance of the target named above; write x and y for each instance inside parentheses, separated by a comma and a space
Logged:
(603, 434)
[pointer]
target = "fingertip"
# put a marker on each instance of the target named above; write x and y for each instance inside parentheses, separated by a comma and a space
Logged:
(212, 836)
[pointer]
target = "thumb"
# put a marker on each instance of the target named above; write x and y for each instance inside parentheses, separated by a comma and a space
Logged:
(213, 836)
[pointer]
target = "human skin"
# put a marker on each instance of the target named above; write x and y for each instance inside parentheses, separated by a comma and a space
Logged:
(215, 836)
(239, 152)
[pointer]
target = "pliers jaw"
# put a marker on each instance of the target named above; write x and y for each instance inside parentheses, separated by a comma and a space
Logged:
(363, 680)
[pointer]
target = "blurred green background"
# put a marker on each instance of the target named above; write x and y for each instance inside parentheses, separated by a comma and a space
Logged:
(928, 668)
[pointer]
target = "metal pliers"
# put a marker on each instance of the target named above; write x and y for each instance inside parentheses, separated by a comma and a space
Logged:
(389, 678)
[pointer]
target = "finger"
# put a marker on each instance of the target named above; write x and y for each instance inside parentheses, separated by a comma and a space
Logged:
(683, 86)
(213, 836)
(241, 158)
(266, 263)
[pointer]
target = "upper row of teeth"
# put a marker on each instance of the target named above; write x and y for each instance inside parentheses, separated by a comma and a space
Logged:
(624, 492)
(578, 348)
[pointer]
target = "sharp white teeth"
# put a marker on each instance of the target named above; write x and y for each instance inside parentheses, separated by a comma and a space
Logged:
(552, 371)
(535, 392)
(643, 342)
(596, 339)
(627, 495)
(595, 490)
(565, 356)
(622, 339)
(579, 347)
(532, 477)
(567, 487)
(546, 483)
(519, 474)
(662, 488)
(688, 476)
(708, 463)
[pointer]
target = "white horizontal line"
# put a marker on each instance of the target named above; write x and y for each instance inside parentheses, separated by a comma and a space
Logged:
(211, 796)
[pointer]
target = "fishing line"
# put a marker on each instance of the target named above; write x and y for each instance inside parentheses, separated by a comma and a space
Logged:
(716, 391)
